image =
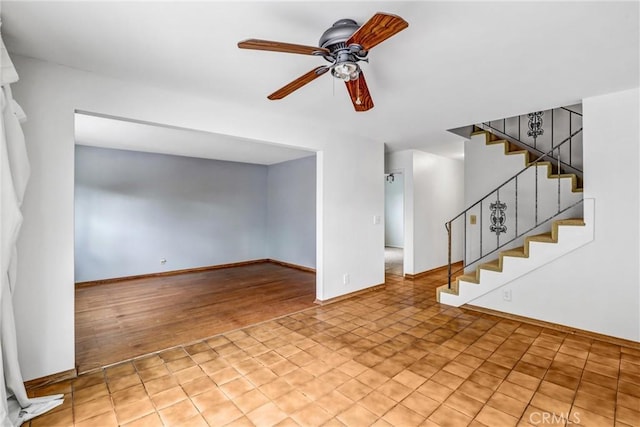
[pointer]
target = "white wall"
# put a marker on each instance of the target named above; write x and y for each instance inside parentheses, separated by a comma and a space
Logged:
(596, 287)
(133, 209)
(438, 197)
(394, 211)
(481, 173)
(350, 193)
(291, 212)
(433, 189)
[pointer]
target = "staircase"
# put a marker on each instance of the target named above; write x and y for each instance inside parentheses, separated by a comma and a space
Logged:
(533, 235)
(540, 249)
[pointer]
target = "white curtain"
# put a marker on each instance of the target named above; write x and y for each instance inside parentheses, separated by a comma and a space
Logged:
(15, 406)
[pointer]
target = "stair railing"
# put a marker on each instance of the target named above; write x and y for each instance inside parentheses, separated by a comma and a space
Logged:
(532, 213)
(563, 121)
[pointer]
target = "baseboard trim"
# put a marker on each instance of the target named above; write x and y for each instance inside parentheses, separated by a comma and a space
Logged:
(557, 327)
(433, 270)
(288, 264)
(350, 295)
(170, 273)
(50, 379)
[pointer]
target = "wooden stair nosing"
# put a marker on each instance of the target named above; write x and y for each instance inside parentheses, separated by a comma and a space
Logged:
(471, 278)
(495, 265)
(479, 132)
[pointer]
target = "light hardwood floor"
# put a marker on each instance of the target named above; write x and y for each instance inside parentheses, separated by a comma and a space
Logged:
(122, 320)
(390, 357)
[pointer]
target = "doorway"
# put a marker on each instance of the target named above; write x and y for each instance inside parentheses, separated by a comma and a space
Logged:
(394, 223)
(157, 232)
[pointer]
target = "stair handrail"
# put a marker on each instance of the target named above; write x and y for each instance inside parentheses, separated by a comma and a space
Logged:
(497, 191)
(517, 140)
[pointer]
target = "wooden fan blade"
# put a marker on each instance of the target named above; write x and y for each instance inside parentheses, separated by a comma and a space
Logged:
(299, 82)
(377, 29)
(359, 93)
(282, 47)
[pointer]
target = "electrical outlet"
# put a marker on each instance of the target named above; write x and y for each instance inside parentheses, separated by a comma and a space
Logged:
(472, 219)
(346, 279)
(506, 294)
(376, 219)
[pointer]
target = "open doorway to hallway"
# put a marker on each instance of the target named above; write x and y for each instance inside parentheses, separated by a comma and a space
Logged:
(394, 223)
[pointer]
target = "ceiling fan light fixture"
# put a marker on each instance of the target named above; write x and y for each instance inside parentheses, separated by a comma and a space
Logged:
(346, 71)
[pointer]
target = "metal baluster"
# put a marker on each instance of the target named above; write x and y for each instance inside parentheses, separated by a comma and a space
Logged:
(559, 179)
(570, 137)
(464, 243)
(516, 205)
(519, 139)
(552, 126)
(498, 234)
(480, 228)
(536, 193)
(449, 255)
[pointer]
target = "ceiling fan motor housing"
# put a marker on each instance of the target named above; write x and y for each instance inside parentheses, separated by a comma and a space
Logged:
(336, 36)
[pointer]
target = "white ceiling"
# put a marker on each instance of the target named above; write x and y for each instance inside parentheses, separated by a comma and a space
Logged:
(99, 131)
(458, 62)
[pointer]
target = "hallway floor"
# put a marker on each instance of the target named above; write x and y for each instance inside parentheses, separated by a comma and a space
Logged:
(392, 357)
(393, 261)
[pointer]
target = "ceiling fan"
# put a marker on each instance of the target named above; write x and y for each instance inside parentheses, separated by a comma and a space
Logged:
(343, 46)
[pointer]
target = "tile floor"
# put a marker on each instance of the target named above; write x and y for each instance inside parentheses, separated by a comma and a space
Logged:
(392, 357)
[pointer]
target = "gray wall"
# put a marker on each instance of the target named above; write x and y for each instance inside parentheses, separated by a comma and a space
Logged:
(291, 212)
(133, 209)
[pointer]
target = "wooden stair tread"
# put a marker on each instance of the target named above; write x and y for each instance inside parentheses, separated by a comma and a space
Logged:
(544, 238)
(468, 278)
(516, 252)
(562, 175)
(498, 141)
(447, 290)
(571, 221)
(517, 152)
(491, 265)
